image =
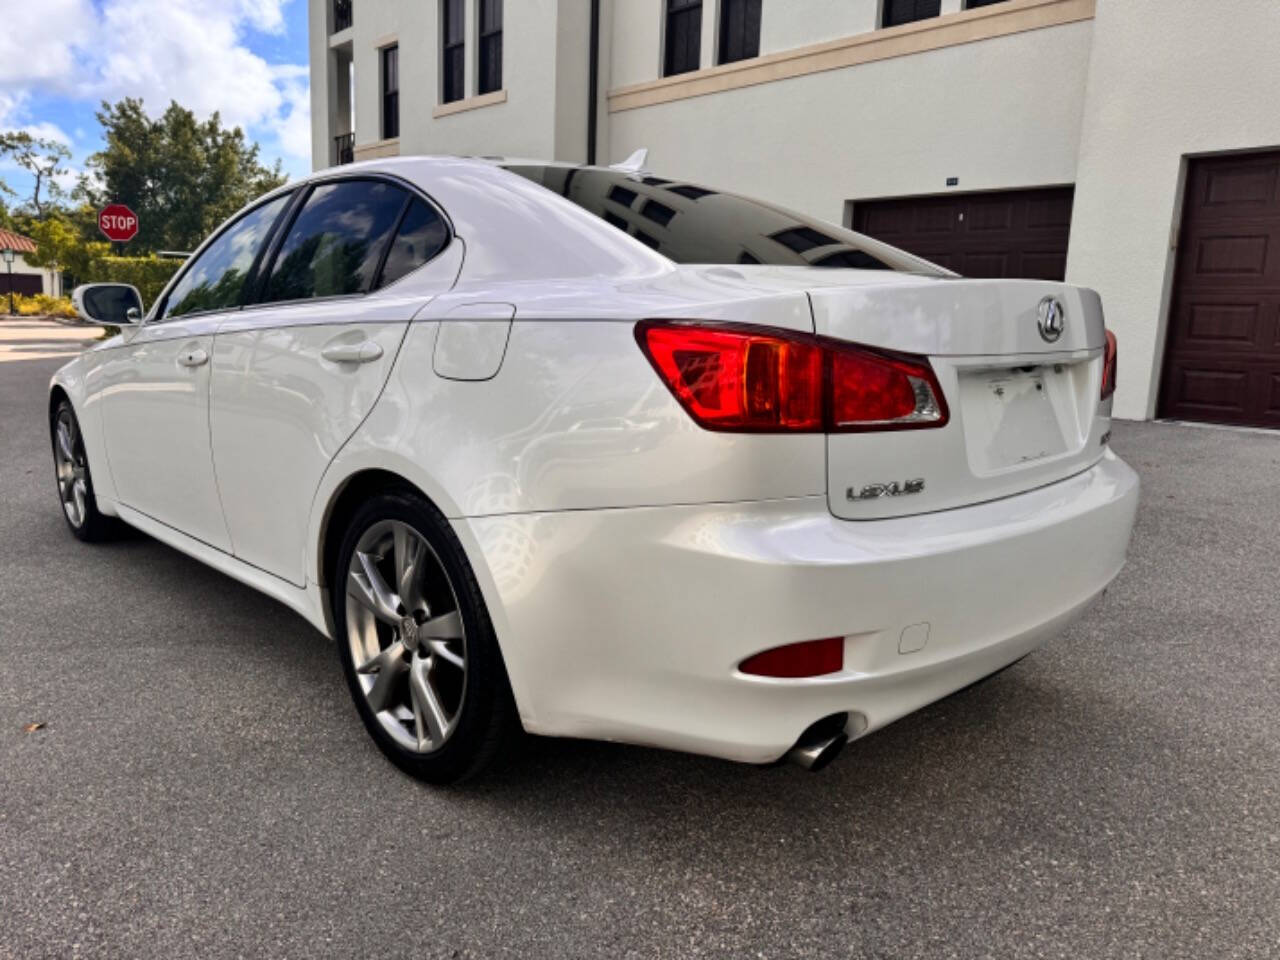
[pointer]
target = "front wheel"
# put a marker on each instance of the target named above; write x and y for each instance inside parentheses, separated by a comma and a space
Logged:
(75, 482)
(417, 648)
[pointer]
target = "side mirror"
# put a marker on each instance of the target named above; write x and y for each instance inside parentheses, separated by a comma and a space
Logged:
(114, 304)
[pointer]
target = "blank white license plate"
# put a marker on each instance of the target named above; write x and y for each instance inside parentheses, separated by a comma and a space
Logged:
(1012, 416)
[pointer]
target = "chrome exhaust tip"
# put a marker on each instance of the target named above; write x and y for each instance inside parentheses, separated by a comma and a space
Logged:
(820, 743)
(814, 756)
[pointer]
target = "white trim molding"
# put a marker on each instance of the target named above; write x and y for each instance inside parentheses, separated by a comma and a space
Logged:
(471, 103)
(377, 149)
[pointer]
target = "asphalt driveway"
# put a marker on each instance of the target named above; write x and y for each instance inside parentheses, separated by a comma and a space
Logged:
(202, 786)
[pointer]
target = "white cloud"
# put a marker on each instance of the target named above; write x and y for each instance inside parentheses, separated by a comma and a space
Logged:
(38, 40)
(191, 51)
(293, 131)
(264, 15)
(44, 131)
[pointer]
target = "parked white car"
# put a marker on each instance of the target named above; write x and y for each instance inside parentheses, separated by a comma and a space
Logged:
(607, 455)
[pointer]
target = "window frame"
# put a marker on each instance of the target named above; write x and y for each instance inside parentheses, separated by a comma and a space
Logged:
(390, 51)
(266, 259)
(446, 47)
(156, 314)
(691, 10)
(482, 48)
(722, 29)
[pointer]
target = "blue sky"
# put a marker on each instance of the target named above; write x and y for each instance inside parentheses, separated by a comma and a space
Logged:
(247, 59)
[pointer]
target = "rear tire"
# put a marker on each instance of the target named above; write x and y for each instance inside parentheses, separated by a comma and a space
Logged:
(416, 644)
(75, 480)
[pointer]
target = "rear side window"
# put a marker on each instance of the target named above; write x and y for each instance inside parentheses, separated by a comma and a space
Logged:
(421, 236)
(689, 223)
(215, 279)
(336, 242)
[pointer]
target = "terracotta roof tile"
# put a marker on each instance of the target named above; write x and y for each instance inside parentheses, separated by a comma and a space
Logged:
(16, 241)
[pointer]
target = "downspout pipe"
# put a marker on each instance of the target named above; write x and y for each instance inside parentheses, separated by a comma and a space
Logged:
(593, 82)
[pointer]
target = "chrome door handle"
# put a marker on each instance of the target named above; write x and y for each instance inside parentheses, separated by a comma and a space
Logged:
(193, 358)
(364, 352)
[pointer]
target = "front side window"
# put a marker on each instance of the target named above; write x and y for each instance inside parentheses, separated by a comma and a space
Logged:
(453, 77)
(215, 279)
(390, 92)
(490, 46)
(336, 242)
(422, 234)
(693, 224)
(684, 37)
(739, 30)
(897, 12)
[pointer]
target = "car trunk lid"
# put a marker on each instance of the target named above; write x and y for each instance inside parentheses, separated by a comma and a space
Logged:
(1023, 405)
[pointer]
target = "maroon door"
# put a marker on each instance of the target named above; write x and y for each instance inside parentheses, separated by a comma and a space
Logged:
(27, 284)
(1012, 233)
(1222, 359)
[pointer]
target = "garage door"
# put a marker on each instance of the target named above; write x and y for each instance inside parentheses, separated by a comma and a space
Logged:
(1016, 233)
(1222, 361)
(26, 284)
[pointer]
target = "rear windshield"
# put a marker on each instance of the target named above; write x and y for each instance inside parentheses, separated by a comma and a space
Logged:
(691, 223)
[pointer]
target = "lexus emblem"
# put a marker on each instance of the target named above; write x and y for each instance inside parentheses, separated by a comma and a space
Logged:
(1052, 319)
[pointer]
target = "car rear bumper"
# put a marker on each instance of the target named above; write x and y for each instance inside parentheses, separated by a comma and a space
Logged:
(629, 624)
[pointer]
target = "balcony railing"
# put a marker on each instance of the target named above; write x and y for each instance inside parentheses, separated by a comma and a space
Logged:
(344, 148)
(341, 15)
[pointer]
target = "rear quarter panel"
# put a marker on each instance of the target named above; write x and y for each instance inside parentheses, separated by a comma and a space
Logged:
(575, 419)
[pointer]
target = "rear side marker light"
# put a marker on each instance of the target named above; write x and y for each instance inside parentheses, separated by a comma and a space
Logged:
(1109, 363)
(810, 658)
(743, 379)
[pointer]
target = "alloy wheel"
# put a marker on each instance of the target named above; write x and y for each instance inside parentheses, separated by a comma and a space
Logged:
(72, 469)
(408, 642)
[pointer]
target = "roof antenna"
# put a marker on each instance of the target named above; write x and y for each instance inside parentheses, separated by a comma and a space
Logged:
(633, 163)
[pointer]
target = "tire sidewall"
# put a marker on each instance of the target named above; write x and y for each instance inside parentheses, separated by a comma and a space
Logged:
(91, 525)
(472, 743)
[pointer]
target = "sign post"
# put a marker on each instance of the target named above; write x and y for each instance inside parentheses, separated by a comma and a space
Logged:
(118, 223)
(8, 258)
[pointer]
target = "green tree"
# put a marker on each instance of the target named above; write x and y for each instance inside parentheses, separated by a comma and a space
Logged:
(180, 175)
(41, 158)
(63, 241)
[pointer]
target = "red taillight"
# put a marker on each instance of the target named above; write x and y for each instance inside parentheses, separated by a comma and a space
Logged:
(1109, 366)
(739, 380)
(871, 391)
(811, 658)
(747, 379)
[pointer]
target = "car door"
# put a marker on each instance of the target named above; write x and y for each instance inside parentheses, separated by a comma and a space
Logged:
(155, 389)
(295, 373)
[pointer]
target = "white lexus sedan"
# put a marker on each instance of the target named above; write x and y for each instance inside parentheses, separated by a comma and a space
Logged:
(600, 454)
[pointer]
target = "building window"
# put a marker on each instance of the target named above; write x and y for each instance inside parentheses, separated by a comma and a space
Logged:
(739, 30)
(908, 11)
(684, 36)
(453, 51)
(490, 46)
(341, 15)
(390, 92)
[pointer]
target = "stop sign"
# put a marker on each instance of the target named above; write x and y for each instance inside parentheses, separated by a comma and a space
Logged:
(118, 222)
